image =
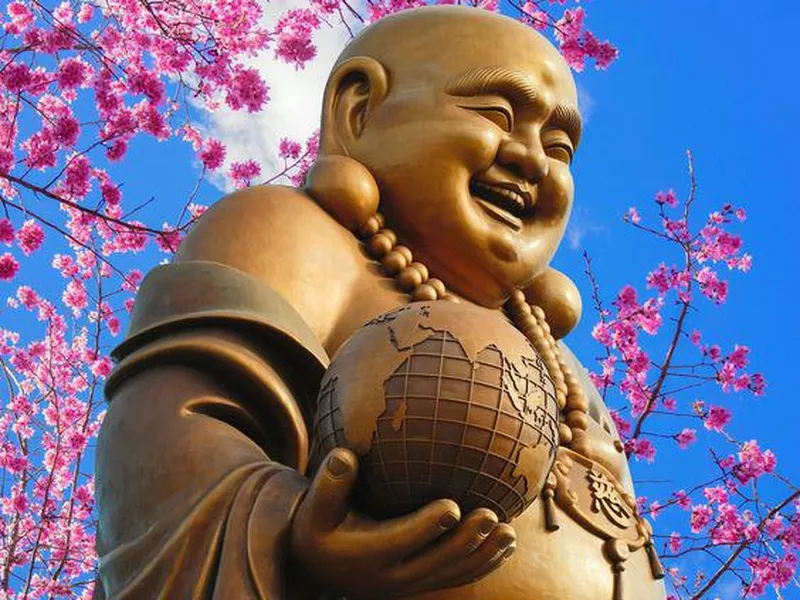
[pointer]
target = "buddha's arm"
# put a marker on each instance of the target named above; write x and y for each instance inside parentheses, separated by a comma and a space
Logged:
(198, 458)
(201, 453)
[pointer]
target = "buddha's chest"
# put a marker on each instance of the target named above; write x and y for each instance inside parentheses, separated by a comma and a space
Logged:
(581, 540)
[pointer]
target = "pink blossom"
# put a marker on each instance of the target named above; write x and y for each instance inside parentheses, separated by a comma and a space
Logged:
(111, 194)
(113, 325)
(247, 90)
(682, 500)
(213, 154)
(738, 358)
(757, 384)
(117, 150)
(8, 267)
(30, 237)
(669, 198)
(16, 77)
(146, 82)
(6, 232)
(28, 297)
(675, 542)
(327, 6)
(85, 13)
(633, 215)
(169, 240)
(701, 517)
(623, 425)
(21, 18)
(197, 210)
(75, 296)
(73, 72)
(686, 437)
(754, 463)
(66, 130)
(78, 176)
(712, 287)
(102, 367)
(41, 148)
(717, 418)
(716, 495)
(289, 149)
(243, 173)
(65, 265)
(132, 280)
(774, 527)
(643, 448)
(151, 120)
(655, 509)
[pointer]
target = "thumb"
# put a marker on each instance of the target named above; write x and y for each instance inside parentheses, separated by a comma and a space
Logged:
(327, 499)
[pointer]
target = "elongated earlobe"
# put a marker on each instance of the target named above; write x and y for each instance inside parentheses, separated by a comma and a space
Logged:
(341, 185)
(559, 298)
(344, 188)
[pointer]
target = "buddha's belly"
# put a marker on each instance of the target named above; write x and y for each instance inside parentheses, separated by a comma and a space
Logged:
(567, 564)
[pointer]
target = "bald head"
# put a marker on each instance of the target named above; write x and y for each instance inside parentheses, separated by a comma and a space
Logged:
(431, 42)
(442, 47)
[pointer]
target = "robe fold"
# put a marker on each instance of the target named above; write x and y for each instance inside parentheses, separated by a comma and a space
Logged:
(202, 453)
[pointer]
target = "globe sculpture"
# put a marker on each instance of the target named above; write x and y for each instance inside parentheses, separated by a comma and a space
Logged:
(440, 400)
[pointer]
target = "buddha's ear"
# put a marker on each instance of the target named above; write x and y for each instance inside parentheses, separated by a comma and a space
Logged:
(354, 89)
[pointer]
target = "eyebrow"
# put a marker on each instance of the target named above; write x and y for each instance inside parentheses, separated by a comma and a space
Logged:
(518, 87)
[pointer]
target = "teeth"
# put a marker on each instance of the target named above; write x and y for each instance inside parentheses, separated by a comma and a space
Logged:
(504, 198)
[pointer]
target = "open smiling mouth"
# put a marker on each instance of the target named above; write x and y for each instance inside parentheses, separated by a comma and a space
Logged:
(507, 204)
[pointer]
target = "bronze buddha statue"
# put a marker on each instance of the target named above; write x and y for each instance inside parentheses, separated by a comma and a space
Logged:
(444, 175)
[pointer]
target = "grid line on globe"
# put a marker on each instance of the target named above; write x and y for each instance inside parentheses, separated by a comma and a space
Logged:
(451, 428)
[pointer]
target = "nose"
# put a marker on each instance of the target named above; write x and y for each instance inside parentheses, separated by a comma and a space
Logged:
(525, 160)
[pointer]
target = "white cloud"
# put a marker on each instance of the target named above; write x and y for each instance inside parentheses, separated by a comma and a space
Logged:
(581, 225)
(295, 101)
(586, 102)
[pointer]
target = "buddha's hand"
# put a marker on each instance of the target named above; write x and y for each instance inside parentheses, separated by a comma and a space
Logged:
(350, 554)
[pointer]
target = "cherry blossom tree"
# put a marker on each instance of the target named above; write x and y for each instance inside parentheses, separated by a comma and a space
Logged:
(83, 81)
(746, 516)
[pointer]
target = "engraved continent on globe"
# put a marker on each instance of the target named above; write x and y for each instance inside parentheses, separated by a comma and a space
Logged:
(440, 400)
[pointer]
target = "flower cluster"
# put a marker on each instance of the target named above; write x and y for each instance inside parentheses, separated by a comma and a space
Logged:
(659, 365)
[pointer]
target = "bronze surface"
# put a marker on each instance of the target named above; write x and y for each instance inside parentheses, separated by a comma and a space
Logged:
(459, 126)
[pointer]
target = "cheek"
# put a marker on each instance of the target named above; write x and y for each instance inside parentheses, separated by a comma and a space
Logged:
(471, 139)
(481, 146)
(557, 192)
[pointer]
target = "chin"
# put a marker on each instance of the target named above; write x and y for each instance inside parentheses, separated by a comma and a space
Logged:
(490, 288)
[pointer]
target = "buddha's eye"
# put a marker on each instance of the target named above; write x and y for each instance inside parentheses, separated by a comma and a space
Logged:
(560, 152)
(558, 146)
(498, 115)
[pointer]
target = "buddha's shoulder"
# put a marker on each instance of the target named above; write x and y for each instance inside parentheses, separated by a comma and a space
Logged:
(283, 214)
(285, 240)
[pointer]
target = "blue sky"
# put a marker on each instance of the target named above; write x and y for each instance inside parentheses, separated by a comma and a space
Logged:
(713, 76)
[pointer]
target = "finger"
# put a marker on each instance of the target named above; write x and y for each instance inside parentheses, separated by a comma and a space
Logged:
(326, 503)
(397, 538)
(450, 550)
(492, 553)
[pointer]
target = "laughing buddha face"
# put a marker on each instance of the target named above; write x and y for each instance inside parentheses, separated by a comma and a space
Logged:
(470, 143)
